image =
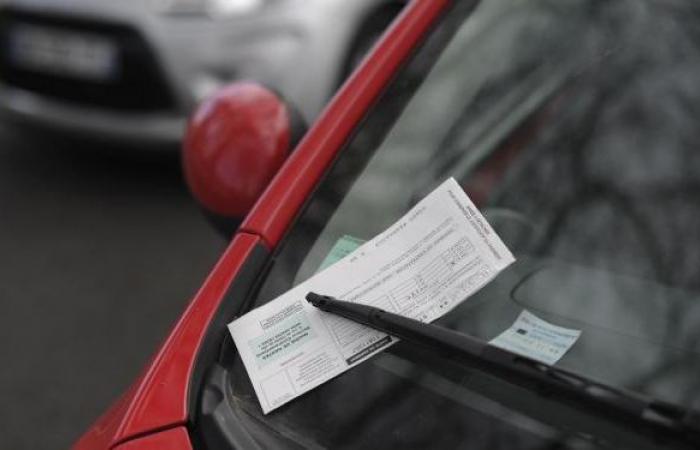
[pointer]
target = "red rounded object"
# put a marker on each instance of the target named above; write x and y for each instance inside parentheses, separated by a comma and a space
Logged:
(235, 143)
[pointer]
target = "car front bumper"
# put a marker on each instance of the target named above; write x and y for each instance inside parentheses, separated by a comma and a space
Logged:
(153, 130)
(290, 48)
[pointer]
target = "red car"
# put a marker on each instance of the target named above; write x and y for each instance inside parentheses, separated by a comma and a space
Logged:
(572, 125)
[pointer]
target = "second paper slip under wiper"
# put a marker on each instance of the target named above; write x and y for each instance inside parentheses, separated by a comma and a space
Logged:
(627, 408)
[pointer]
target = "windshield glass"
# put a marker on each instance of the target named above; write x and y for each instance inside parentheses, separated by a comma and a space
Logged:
(571, 124)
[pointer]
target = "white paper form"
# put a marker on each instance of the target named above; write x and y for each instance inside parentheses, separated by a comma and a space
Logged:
(425, 264)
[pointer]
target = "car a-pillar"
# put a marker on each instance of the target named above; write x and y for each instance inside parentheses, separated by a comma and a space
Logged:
(236, 141)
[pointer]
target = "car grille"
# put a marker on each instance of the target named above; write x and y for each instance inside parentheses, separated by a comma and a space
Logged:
(139, 85)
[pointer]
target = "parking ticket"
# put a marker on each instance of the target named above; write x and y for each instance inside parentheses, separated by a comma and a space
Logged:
(425, 264)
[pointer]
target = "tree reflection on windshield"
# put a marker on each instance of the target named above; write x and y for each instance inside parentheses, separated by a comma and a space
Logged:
(612, 178)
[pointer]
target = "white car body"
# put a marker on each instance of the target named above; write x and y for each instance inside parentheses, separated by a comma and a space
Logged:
(296, 47)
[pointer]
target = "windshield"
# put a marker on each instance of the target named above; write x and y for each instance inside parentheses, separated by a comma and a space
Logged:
(572, 125)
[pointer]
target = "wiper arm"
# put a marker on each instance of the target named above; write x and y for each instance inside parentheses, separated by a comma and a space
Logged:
(630, 409)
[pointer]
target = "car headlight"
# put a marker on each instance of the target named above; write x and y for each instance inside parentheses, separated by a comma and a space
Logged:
(213, 8)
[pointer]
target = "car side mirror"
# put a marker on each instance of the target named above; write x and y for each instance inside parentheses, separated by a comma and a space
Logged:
(235, 143)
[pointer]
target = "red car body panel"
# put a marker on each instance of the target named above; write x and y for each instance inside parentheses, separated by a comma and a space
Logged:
(158, 399)
(154, 411)
(172, 439)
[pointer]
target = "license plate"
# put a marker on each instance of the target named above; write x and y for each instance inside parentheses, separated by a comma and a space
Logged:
(58, 52)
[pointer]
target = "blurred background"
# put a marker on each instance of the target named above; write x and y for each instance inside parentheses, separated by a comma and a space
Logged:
(101, 245)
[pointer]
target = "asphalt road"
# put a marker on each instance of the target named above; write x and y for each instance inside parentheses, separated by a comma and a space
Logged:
(100, 250)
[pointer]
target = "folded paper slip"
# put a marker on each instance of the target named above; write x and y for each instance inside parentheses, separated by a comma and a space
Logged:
(429, 261)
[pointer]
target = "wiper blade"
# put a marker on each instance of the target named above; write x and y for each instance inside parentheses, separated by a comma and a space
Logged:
(627, 408)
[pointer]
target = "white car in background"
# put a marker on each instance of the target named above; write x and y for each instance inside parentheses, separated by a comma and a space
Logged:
(133, 69)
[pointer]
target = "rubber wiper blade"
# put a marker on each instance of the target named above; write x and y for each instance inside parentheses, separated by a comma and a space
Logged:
(631, 409)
